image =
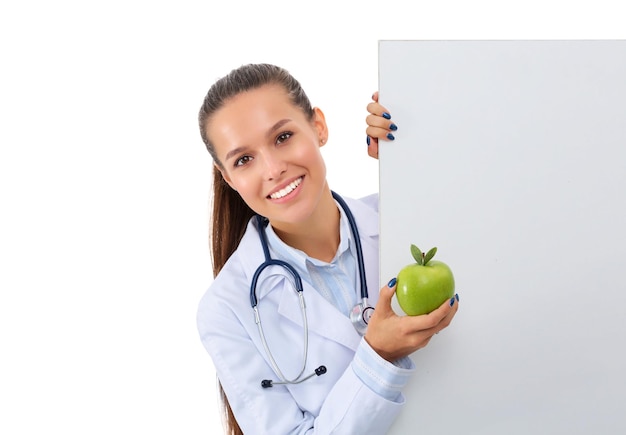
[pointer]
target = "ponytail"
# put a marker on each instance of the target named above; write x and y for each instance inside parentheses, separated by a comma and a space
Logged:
(229, 219)
(230, 215)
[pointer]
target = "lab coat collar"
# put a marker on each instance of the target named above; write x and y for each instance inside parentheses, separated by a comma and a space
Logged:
(252, 253)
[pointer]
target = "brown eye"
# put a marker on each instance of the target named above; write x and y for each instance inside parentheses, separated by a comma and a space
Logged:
(283, 137)
(242, 160)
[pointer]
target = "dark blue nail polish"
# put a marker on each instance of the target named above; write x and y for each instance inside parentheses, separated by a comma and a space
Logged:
(393, 127)
(391, 283)
(386, 115)
(457, 297)
(368, 141)
(452, 301)
(390, 136)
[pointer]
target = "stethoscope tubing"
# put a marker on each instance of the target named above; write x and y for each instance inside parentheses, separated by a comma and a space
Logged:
(357, 244)
(261, 223)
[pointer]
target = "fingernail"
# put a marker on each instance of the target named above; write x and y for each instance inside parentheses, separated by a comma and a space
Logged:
(393, 127)
(452, 301)
(368, 141)
(386, 115)
(391, 283)
(457, 297)
(390, 136)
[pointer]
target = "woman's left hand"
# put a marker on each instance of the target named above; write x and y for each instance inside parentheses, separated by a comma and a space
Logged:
(379, 126)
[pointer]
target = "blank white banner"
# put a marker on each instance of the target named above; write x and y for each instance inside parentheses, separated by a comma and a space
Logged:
(510, 157)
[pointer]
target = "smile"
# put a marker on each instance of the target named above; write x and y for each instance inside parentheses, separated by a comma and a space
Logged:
(287, 189)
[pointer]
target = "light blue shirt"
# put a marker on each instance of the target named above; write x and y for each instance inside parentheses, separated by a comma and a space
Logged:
(337, 283)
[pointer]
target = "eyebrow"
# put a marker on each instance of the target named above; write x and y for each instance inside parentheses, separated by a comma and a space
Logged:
(238, 150)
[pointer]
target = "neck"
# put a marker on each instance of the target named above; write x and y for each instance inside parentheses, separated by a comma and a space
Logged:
(318, 236)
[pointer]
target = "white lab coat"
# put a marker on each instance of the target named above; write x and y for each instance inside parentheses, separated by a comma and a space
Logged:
(336, 402)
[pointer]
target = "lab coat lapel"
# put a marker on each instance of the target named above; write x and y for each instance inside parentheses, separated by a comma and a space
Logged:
(322, 317)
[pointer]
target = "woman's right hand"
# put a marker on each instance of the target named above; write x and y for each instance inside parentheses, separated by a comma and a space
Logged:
(394, 337)
(379, 126)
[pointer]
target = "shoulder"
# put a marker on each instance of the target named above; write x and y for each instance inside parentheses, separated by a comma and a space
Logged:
(370, 201)
(365, 203)
(365, 211)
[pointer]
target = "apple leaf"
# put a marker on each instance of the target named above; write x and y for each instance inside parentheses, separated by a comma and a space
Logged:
(429, 255)
(417, 254)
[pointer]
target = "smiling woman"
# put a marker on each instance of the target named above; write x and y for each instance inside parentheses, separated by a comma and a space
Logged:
(261, 157)
(265, 139)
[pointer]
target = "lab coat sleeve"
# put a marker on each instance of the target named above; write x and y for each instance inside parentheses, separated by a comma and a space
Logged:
(385, 378)
(349, 407)
(352, 407)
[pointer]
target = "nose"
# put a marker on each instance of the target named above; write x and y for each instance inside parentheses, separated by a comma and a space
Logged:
(274, 166)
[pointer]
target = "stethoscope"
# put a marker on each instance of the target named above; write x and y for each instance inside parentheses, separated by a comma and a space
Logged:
(359, 315)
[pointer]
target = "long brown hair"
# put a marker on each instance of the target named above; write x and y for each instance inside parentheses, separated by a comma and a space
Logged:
(230, 213)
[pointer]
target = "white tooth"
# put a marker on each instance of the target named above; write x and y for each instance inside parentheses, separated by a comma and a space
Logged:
(287, 190)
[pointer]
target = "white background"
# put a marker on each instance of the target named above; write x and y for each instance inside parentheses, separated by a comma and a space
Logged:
(104, 181)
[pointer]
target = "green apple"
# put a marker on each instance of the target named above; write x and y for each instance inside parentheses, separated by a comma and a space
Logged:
(424, 285)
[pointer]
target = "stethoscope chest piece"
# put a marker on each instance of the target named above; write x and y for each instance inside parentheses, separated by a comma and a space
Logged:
(360, 316)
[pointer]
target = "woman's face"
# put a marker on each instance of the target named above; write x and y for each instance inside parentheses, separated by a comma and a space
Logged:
(270, 153)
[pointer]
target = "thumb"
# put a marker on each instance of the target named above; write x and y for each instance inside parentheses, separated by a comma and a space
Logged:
(385, 295)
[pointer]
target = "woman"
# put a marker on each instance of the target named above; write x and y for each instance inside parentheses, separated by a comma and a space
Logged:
(265, 140)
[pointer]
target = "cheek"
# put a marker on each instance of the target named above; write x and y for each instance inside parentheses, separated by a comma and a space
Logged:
(246, 183)
(313, 157)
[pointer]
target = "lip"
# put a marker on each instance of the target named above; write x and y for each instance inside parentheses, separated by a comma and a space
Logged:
(282, 186)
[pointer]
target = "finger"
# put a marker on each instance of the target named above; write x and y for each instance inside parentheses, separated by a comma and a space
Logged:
(375, 96)
(372, 146)
(380, 128)
(381, 133)
(378, 110)
(430, 322)
(445, 322)
(380, 122)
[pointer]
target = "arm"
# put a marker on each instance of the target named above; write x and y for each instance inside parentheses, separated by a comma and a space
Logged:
(338, 402)
(391, 336)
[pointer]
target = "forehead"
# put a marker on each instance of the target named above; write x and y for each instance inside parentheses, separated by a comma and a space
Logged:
(247, 117)
(252, 107)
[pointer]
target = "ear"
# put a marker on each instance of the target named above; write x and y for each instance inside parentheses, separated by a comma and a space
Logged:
(224, 175)
(319, 122)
